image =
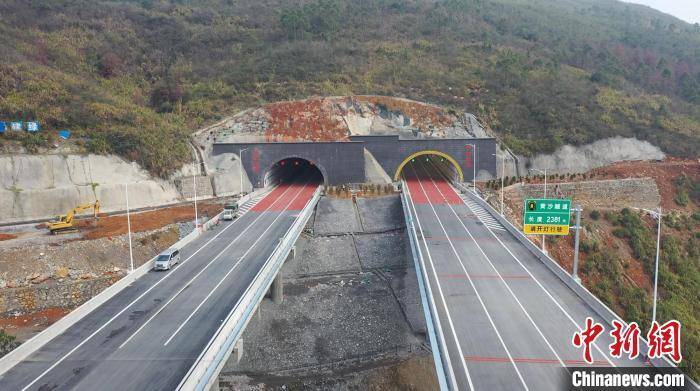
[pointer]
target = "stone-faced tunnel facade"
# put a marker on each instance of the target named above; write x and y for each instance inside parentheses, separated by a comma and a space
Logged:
(391, 151)
(344, 161)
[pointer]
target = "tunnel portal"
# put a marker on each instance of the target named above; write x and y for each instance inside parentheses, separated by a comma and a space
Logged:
(293, 169)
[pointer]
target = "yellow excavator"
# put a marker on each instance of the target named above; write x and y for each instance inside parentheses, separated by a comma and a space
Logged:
(64, 223)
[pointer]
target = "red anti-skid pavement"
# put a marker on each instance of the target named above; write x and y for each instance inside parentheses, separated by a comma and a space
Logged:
(303, 197)
(278, 200)
(271, 198)
(431, 191)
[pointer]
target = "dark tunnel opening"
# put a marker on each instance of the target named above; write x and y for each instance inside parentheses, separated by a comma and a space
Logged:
(293, 170)
(430, 165)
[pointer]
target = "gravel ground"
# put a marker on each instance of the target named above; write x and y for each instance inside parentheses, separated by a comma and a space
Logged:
(384, 250)
(323, 320)
(79, 259)
(381, 213)
(323, 254)
(351, 317)
(335, 216)
(405, 286)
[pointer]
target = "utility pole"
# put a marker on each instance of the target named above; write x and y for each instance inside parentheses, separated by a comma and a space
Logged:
(128, 225)
(574, 273)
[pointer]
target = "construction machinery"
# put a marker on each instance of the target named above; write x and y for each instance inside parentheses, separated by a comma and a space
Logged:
(64, 223)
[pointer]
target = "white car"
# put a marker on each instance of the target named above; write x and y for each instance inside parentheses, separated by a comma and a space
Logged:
(167, 259)
(228, 214)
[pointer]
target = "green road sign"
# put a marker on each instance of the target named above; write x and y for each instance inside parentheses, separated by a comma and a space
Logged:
(546, 216)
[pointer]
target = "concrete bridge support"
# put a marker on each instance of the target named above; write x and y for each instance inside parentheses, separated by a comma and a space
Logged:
(277, 289)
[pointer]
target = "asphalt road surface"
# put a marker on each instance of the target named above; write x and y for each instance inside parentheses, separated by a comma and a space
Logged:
(149, 335)
(507, 320)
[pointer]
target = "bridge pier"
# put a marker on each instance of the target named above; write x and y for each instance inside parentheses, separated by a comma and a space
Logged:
(277, 289)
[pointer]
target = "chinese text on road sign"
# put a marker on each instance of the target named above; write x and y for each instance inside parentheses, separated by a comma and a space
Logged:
(546, 216)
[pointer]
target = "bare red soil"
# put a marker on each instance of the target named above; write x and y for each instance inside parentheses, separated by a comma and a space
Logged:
(144, 221)
(7, 236)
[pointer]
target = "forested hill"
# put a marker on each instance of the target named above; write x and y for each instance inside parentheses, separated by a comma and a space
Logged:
(136, 77)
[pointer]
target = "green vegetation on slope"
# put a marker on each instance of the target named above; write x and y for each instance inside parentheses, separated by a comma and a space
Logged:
(679, 275)
(135, 77)
(7, 343)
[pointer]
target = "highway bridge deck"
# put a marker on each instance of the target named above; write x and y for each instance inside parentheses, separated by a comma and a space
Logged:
(506, 320)
(149, 335)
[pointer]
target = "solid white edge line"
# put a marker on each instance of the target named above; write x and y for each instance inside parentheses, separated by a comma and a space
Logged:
(453, 379)
(481, 250)
(252, 223)
(54, 365)
(240, 259)
(476, 291)
(550, 296)
(233, 309)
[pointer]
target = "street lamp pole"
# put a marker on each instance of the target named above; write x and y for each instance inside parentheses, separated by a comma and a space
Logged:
(656, 264)
(240, 165)
(503, 173)
(194, 187)
(473, 148)
(128, 225)
(658, 215)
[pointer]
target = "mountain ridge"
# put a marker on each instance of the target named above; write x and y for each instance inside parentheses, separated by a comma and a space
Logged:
(135, 78)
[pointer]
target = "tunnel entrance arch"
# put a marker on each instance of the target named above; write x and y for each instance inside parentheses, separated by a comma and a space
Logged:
(292, 168)
(448, 158)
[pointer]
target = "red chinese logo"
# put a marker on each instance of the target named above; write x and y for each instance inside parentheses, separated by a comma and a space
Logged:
(626, 340)
(586, 337)
(665, 340)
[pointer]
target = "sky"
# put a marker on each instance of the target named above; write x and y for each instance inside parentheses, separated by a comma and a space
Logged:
(688, 10)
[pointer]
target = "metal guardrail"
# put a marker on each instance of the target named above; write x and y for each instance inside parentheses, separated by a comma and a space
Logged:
(422, 277)
(581, 291)
(204, 372)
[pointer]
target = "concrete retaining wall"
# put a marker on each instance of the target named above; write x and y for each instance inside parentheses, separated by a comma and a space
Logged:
(42, 186)
(185, 186)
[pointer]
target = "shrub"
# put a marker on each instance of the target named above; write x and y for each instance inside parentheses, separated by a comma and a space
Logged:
(589, 246)
(7, 343)
(620, 232)
(595, 215)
